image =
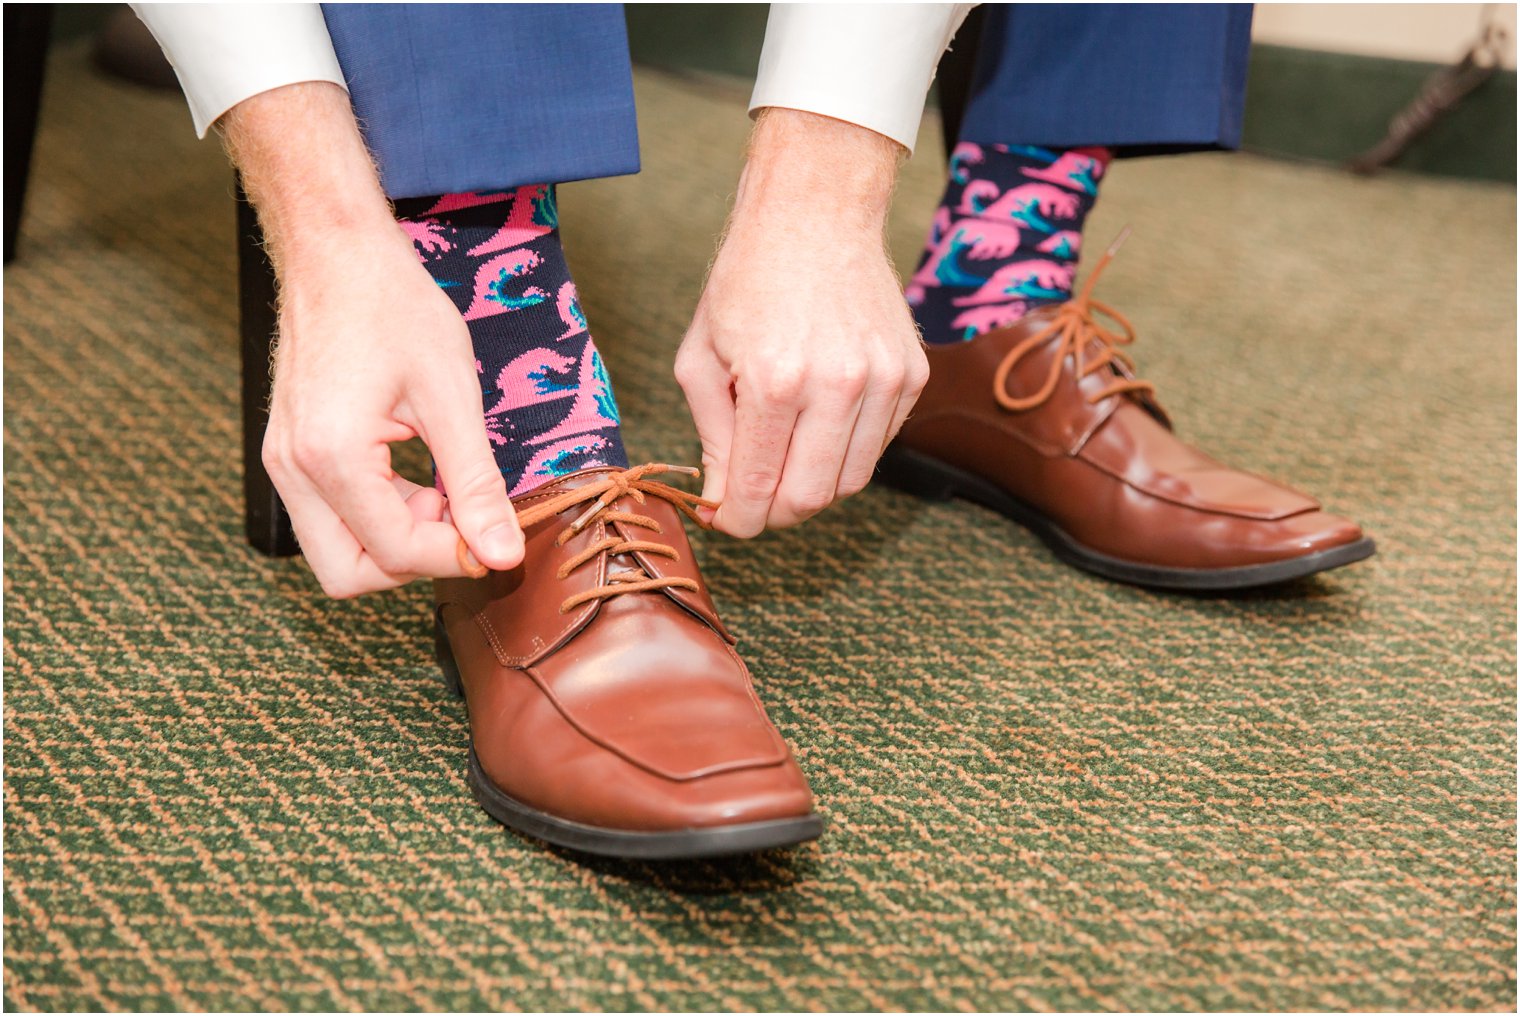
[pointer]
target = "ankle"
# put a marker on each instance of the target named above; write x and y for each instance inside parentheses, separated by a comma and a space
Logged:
(1005, 238)
(546, 398)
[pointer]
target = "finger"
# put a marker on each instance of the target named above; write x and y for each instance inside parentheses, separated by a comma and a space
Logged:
(427, 504)
(813, 463)
(708, 387)
(335, 556)
(762, 433)
(873, 428)
(455, 432)
(913, 387)
(904, 406)
(357, 487)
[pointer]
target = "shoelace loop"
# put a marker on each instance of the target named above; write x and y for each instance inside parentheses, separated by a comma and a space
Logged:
(1076, 324)
(605, 491)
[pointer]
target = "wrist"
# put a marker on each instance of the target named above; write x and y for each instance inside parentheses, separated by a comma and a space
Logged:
(308, 173)
(813, 166)
(313, 248)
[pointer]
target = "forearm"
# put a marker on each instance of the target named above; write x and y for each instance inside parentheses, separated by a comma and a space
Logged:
(306, 170)
(802, 166)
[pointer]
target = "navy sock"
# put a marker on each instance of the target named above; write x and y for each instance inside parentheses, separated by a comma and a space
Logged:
(1005, 238)
(548, 402)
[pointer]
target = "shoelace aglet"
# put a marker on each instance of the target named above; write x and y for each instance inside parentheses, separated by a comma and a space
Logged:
(1113, 248)
(589, 513)
(1082, 298)
(688, 470)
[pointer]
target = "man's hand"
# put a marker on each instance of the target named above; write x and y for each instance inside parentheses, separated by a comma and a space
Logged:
(370, 352)
(802, 360)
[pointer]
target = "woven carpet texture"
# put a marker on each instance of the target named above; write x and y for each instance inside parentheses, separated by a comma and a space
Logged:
(1042, 790)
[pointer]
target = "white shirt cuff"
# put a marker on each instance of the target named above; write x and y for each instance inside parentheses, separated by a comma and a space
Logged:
(225, 53)
(867, 64)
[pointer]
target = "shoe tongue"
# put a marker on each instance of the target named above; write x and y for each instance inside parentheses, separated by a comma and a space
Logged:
(624, 564)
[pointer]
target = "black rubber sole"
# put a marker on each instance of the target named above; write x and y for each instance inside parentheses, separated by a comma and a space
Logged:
(672, 845)
(927, 477)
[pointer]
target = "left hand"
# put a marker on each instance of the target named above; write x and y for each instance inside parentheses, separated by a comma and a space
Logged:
(802, 360)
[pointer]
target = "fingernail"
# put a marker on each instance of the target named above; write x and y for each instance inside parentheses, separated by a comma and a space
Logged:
(500, 541)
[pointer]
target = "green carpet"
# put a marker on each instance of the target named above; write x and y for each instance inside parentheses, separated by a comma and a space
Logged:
(1042, 790)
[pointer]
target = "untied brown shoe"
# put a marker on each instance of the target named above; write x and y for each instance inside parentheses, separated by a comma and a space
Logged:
(1045, 422)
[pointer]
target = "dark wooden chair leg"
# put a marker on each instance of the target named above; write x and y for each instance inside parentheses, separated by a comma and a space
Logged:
(27, 28)
(954, 78)
(264, 515)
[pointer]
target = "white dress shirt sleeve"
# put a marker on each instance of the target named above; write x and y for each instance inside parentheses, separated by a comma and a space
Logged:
(868, 64)
(225, 53)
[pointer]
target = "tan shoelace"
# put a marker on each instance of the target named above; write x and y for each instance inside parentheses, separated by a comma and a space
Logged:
(604, 491)
(1078, 328)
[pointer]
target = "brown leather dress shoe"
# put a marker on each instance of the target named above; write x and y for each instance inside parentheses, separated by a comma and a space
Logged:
(1045, 422)
(608, 710)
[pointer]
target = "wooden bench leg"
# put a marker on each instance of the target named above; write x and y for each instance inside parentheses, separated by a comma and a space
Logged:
(264, 515)
(27, 28)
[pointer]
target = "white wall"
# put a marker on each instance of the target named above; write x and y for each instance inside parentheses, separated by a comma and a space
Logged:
(1440, 33)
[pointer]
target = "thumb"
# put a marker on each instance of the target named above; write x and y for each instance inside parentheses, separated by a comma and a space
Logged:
(477, 492)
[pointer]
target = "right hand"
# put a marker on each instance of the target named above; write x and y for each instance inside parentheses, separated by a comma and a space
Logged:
(371, 352)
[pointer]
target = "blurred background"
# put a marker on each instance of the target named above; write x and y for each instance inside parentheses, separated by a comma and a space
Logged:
(1325, 78)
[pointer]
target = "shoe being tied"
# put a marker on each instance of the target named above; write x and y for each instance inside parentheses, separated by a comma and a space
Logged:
(609, 712)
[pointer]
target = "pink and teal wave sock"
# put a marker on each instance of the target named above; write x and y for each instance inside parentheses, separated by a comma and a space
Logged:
(1005, 238)
(548, 402)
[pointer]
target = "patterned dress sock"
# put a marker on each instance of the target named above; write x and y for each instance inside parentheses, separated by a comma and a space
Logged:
(548, 403)
(1005, 238)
